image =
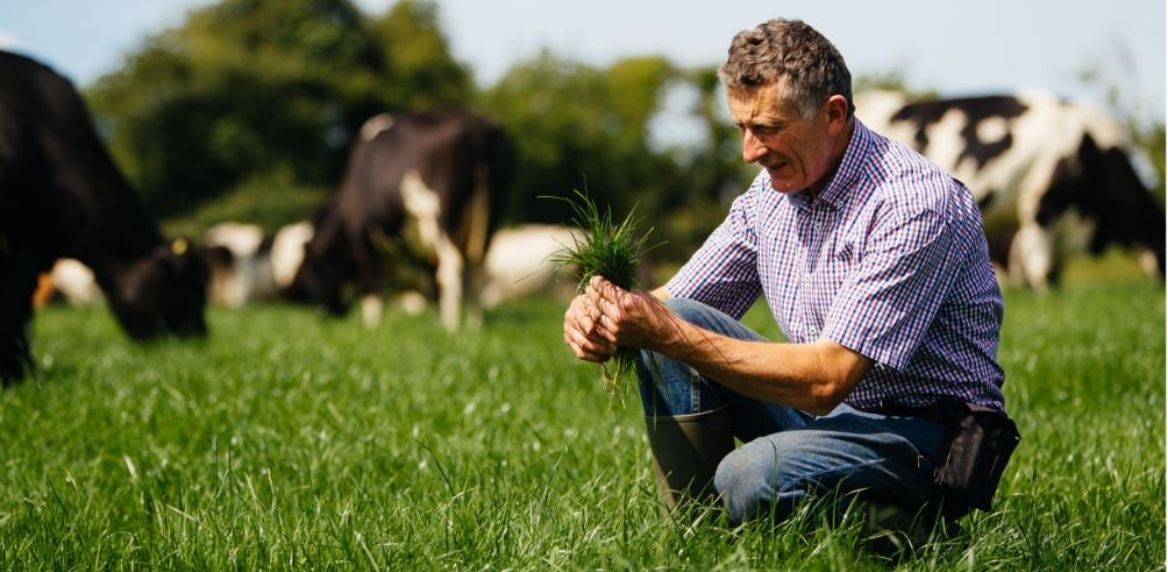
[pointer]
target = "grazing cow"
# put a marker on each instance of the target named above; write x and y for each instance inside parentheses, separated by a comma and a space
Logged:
(238, 258)
(62, 196)
(1052, 177)
(423, 189)
(518, 262)
(249, 266)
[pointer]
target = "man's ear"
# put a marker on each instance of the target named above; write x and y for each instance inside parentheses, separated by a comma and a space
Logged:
(835, 110)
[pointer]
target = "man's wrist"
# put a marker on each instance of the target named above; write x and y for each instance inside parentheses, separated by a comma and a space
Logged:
(676, 341)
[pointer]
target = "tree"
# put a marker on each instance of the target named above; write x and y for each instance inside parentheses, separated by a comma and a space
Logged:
(423, 72)
(267, 90)
(891, 80)
(580, 127)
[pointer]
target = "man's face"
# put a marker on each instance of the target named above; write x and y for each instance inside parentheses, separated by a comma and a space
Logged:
(795, 151)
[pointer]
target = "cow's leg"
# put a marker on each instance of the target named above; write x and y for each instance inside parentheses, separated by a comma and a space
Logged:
(372, 305)
(370, 276)
(450, 276)
(475, 284)
(17, 284)
(1150, 264)
(477, 223)
(1032, 257)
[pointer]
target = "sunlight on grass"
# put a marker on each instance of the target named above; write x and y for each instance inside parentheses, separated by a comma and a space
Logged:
(289, 441)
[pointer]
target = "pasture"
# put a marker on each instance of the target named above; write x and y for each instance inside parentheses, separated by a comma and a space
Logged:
(286, 441)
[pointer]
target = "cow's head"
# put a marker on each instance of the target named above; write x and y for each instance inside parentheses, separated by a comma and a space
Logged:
(1135, 218)
(318, 282)
(1102, 185)
(324, 277)
(164, 294)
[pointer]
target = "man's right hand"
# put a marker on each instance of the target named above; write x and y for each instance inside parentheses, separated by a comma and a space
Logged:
(580, 331)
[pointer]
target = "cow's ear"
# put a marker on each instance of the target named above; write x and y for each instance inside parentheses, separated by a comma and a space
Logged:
(182, 256)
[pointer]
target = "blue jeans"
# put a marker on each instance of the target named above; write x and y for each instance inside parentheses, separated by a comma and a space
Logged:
(789, 455)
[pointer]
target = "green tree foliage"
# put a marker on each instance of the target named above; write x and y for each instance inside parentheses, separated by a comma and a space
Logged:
(892, 80)
(424, 74)
(1148, 136)
(270, 90)
(578, 126)
(710, 170)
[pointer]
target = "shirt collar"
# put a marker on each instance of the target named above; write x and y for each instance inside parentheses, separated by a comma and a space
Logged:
(836, 192)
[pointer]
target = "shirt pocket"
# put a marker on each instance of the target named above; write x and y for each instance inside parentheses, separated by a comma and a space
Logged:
(837, 263)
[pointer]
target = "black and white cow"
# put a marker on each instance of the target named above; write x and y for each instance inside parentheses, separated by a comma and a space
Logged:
(248, 265)
(287, 253)
(519, 263)
(238, 257)
(421, 190)
(62, 196)
(1052, 176)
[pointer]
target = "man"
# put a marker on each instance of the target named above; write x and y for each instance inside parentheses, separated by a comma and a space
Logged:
(875, 267)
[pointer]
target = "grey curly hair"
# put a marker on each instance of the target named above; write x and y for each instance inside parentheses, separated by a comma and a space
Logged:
(792, 50)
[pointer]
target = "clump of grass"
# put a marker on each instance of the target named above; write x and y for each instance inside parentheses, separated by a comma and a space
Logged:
(610, 249)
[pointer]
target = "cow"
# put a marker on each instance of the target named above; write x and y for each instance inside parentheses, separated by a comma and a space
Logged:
(1052, 177)
(421, 190)
(61, 195)
(519, 263)
(248, 265)
(238, 257)
(287, 253)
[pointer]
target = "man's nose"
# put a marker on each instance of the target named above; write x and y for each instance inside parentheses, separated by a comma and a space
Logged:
(752, 148)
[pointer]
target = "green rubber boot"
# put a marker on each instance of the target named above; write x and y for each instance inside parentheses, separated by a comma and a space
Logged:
(686, 452)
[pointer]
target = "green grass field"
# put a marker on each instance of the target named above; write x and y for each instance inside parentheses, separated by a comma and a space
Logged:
(288, 441)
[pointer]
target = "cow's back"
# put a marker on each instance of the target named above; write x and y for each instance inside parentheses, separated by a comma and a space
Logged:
(57, 181)
(453, 154)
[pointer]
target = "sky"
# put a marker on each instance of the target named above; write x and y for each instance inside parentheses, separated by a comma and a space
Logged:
(957, 48)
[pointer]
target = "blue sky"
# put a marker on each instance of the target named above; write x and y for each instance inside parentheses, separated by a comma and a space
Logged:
(956, 47)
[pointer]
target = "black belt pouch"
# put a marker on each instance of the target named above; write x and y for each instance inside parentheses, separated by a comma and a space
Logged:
(981, 442)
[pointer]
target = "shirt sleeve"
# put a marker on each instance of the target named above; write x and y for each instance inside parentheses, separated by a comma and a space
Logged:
(723, 273)
(888, 302)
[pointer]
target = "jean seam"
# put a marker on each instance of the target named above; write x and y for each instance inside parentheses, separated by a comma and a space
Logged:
(695, 389)
(815, 475)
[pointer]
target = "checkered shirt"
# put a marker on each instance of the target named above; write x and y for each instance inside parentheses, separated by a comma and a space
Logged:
(890, 260)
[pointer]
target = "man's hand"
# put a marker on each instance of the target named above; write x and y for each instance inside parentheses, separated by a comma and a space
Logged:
(581, 331)
(630, 318)
(606, 316)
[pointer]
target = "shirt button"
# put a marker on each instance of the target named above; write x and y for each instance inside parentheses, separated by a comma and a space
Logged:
(813, 332)
(818, 227)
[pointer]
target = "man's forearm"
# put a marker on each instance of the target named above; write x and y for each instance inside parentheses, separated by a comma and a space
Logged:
(814, 377)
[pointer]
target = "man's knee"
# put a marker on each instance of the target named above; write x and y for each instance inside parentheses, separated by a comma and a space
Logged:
(748, 479)
(691, 311)
(770, 475)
